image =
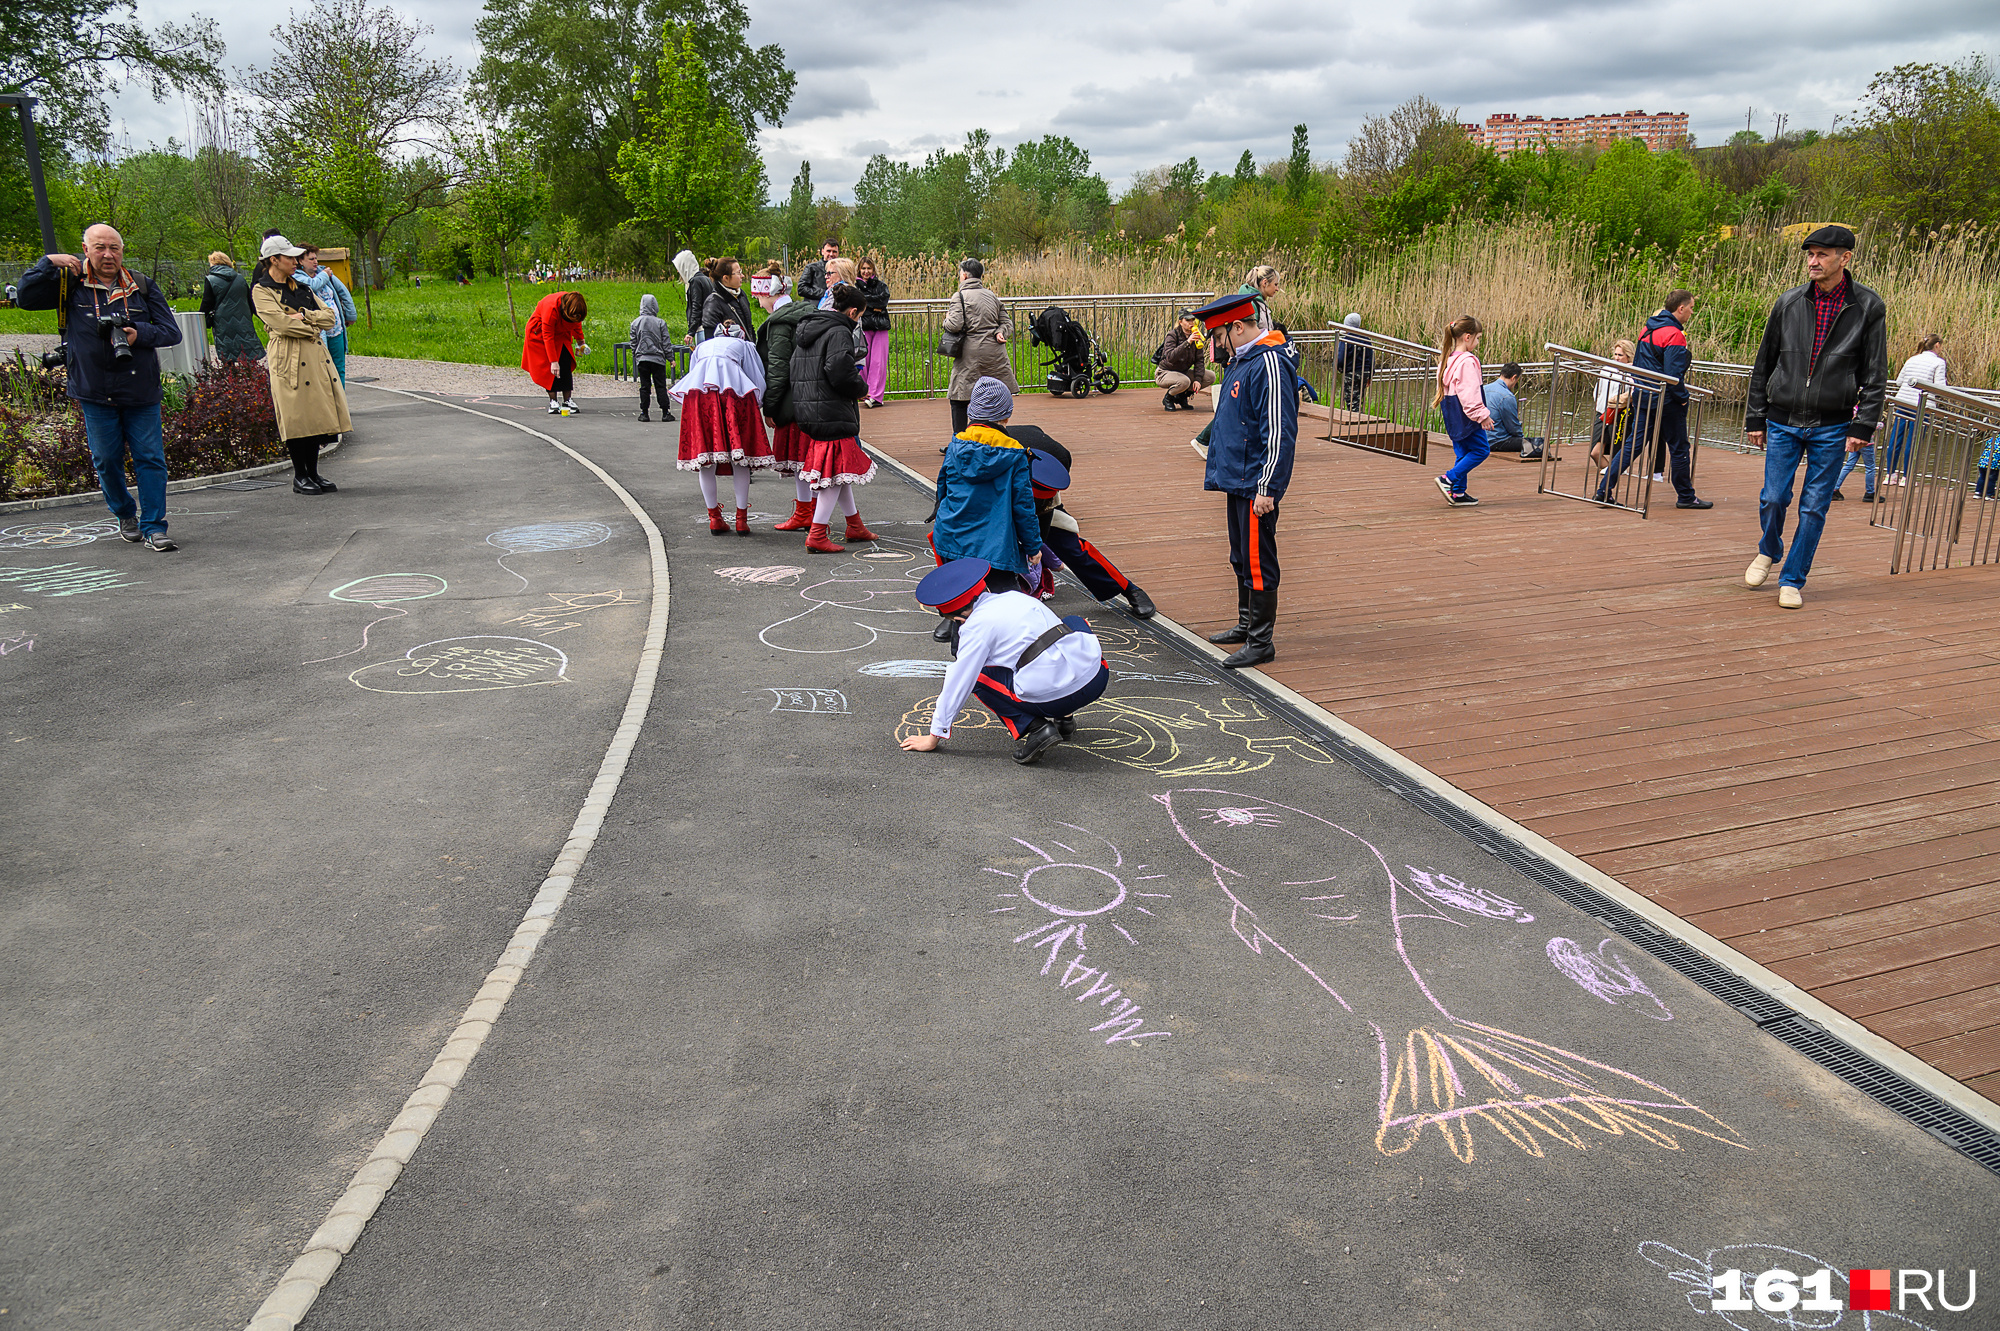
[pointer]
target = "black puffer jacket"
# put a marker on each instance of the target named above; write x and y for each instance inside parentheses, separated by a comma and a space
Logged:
(699, 288)
(723, 306)
(826, 384)
(874, 318)
(1849, 383)
(776, 340)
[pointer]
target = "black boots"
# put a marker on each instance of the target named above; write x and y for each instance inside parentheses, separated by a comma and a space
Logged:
(1257, 648)
(1142, 604)
(305, 467)
(1242, 629)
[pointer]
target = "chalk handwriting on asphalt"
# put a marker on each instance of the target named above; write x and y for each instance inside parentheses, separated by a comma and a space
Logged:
(475, 664)
(556, 616)
(65, 579)
(825, 702)
(1607, 975)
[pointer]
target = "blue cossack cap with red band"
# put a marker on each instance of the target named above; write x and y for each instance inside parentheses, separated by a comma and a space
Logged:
(952, 587)
(1227, 310)
(1048, 474)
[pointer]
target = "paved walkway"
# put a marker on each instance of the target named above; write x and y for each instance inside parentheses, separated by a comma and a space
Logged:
(1190, 1025)
(1817, 789)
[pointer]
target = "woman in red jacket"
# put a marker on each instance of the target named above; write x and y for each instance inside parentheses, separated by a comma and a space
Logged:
(545, 350)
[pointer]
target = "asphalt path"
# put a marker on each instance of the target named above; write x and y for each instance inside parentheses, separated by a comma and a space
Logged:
(1188, 1025)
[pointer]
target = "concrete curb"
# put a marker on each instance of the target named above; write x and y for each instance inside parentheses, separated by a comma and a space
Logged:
(1897, 1059)
(301, 1283)
(173, 487)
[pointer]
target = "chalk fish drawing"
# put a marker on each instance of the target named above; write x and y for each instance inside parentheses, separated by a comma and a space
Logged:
(784, 575)
(1606, 975)
(826, 702)
(65, 579)
(475, 664)
(382, 590)
(55, 535)
(856, 605)
(1169, 737)
(912, 669)
(540, 538)
(1698, 1275)
(1060, 899)
(1441, 1072)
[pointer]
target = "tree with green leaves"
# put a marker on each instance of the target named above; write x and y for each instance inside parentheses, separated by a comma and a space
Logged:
(351, 103)
(685, 172)
(1931, 140)
(73, 54)
(1299, 169)
(798, 220)
(501, 194)
(1246, 169)
(578, 76)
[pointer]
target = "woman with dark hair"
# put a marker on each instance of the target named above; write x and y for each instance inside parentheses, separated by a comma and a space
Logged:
(556, 324)
(726, 304)
(875, 331)
(977, 315)
(306, 395)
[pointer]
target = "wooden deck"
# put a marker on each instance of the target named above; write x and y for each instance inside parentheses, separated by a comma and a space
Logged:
(1818, 788)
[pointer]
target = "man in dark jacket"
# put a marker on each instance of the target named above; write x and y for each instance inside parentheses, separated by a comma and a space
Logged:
(1256, 427)
(812, 282)
(1663, 349)
(1820, 376)
(114, 319)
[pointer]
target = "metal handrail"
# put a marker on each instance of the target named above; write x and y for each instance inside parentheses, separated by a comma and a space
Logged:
(1938, 461)
(1634, 437)
(1625, 368)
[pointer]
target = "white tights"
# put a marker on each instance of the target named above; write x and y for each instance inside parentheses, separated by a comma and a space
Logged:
(805, 491)
(823, 510)
(739, 481)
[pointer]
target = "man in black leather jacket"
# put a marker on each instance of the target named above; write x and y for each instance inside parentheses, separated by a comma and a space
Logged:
(1816, 393)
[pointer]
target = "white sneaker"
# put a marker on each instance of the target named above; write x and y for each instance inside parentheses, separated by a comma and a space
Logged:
(1199, 451)
(1789, 598)
(1659, 476)
(1760, 569)
(555, 407)
(570, 408)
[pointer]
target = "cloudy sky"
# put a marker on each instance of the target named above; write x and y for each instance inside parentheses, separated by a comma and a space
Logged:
(1143, 82)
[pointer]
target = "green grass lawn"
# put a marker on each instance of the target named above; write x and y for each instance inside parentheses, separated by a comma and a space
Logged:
(468, 325)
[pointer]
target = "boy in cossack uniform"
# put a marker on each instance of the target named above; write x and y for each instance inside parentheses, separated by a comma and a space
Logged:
(1048, 473)
(1250, 461)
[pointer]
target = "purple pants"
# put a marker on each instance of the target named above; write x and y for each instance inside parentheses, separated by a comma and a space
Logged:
(878, 363)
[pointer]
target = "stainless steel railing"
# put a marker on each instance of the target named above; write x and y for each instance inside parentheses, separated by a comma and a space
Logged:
(1381, 399)
(1127, 327)
(1629, 444)
(1940, 487)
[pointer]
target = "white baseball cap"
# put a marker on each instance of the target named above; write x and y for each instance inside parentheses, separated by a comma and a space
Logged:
(276, 245)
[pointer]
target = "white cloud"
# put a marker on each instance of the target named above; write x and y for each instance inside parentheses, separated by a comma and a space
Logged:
(1144, 82)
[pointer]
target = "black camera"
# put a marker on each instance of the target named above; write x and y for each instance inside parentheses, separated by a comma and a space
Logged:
(111, 327)
(56, 357)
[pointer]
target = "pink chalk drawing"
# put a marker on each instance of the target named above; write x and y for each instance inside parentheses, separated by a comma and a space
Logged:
(1442, 1073)
(1608, 976)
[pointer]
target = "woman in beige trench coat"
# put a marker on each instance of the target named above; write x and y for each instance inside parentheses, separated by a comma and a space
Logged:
(977, 313)
(305, 387)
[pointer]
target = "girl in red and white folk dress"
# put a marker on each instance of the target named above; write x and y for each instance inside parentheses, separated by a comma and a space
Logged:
(721, 428)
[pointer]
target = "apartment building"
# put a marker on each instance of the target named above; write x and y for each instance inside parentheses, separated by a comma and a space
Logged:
(1505, 132)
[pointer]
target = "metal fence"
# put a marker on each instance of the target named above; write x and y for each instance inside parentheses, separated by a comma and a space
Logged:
(1379, 396)
(1940, 481)
(1611, 458)
(1126, 329)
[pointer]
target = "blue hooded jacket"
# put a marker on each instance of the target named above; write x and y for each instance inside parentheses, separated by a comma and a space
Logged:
(1256, 423)
(986, 502)
(1664, 349)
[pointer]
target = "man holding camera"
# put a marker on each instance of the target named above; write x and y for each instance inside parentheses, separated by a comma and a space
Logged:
(111, 321)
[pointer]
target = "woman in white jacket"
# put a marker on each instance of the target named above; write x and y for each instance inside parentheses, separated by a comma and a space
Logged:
(1926, 367)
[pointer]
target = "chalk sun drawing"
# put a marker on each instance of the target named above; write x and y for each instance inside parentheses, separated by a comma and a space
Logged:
(1697, 1276)
(1610, 977)
(1443, 1075)
(540, 538)
(475, 664)
(1061, 899)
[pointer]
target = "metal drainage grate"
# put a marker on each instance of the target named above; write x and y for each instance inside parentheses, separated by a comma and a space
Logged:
(1953, 1127)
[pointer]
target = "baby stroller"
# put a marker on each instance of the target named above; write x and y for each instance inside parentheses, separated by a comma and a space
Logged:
(1079, 363)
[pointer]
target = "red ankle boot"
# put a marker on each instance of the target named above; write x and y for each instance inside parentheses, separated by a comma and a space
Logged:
(856, 531)
(742, 522)
(715, 522)
(802, 516)
(817, 542)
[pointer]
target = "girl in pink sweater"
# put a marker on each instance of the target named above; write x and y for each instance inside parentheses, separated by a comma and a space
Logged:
(1461, 389)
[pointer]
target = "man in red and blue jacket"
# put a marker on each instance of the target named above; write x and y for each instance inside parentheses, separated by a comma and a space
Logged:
(1663, 349)
(1256, 428)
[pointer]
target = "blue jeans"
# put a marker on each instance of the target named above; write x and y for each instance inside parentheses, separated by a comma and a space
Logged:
(1821, 447)
(1865, 457)
(1468, 441)
(115, 431)
(336, 347)
(1902, 432)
